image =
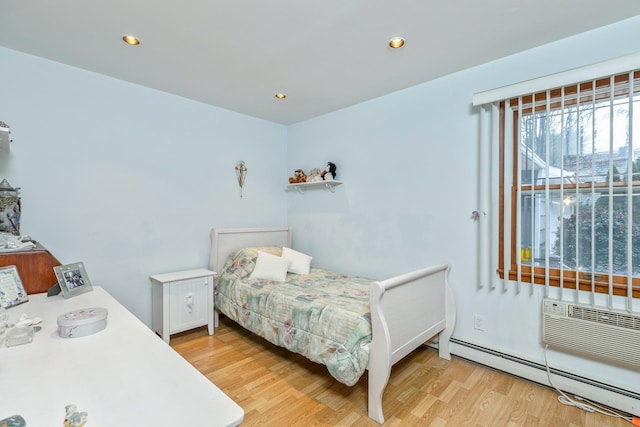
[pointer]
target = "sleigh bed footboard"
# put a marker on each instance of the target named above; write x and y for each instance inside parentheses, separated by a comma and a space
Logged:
(406, 311)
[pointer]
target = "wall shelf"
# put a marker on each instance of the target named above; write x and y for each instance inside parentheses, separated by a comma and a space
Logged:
(303, 186)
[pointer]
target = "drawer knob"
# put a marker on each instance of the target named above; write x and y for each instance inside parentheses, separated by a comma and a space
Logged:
(189, 299)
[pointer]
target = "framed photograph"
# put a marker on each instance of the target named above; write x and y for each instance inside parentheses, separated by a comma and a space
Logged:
(11, 289)
(73, 279)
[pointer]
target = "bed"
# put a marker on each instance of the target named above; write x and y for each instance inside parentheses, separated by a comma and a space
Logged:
(386, 319)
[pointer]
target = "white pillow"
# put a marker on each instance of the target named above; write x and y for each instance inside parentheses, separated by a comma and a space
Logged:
(300, 263)
(270, 267)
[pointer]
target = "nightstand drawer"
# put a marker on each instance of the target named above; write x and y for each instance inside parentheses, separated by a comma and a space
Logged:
(189, 304)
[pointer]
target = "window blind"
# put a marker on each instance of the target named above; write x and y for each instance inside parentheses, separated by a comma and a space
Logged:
(569, 181)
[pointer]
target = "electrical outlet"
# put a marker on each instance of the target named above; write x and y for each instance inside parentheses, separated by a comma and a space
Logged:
(478, 322)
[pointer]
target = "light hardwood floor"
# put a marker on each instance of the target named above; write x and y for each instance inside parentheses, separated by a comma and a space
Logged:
(278, 388)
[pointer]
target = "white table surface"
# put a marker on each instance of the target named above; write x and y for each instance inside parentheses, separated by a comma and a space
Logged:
(124, 375)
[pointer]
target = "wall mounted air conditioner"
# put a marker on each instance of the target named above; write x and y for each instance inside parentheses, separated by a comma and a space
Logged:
(607, 335)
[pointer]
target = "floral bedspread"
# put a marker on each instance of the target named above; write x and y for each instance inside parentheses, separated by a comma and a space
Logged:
(324, 316)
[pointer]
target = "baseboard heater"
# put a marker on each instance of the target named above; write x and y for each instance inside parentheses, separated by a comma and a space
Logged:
(607, 335)
(624, 400)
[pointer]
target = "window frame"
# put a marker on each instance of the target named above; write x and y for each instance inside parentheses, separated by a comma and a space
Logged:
(543, 275)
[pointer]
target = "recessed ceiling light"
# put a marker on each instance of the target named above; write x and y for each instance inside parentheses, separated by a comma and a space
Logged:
(396, 42)
(280, 95)
(131, 40)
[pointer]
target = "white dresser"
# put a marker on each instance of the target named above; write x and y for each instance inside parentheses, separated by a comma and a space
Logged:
(124, 375)
(182, 300)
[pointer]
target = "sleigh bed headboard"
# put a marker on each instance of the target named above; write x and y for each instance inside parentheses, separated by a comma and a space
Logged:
(225, 241)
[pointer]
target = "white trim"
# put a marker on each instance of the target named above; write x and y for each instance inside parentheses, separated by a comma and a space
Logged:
(576, 75)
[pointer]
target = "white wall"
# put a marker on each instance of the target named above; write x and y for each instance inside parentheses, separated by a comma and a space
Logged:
(409, 161)
(127, 179)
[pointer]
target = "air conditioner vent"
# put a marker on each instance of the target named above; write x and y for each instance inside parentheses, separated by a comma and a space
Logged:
(599, 333)
(604, 316)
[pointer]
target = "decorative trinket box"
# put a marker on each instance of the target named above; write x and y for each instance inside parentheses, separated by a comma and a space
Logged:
(83, 322)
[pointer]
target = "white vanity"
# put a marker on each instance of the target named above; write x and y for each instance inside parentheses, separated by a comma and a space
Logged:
(124, 375)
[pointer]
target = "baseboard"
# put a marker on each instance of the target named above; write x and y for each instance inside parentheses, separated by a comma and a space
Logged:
(620, 399)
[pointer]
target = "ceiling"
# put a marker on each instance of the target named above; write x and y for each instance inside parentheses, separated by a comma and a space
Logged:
(324, 55)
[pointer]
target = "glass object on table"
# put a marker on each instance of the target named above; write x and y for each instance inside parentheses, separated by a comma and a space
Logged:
(19, 335)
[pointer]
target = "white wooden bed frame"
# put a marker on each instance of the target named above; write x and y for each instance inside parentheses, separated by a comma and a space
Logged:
(406, 310)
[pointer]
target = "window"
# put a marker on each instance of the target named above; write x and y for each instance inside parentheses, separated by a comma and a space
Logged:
(570, 186)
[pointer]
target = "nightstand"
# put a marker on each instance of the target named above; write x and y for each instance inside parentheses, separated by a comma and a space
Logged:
(182, 300)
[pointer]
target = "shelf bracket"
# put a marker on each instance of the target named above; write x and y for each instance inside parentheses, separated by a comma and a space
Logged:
(330, 187)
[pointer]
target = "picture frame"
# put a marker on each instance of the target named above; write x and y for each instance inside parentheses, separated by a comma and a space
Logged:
(12, 290)
(73, 279)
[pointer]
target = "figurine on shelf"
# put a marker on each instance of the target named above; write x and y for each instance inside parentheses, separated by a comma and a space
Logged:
(314, 175)
(298, 177)
(329, 172)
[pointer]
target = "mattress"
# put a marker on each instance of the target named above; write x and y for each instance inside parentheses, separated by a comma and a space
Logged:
(324, 316)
